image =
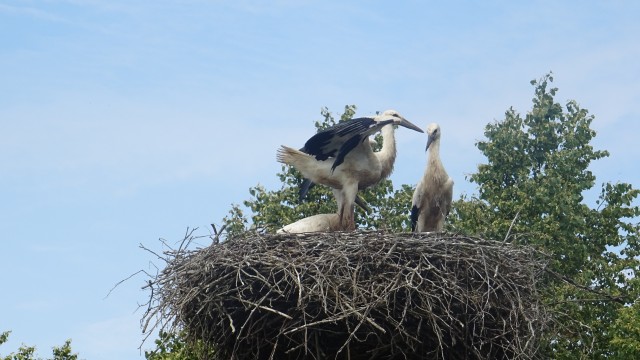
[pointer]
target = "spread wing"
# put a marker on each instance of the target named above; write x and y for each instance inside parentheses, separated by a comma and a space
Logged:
(348, 145)
(329, 142)
(337, 141)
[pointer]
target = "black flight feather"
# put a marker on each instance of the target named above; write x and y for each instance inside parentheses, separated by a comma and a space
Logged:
(415, 212)
(304, 188)
(327, 143)
(345, 149)
(337, 141)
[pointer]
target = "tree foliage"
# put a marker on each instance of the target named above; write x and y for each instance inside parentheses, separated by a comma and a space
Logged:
(269, 210)
(26, 352)
(531, 191)
(272, 209)
(172, 346)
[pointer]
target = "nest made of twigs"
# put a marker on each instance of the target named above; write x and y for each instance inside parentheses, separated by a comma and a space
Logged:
(354, 295)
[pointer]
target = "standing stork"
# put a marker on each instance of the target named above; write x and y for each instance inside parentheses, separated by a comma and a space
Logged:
(340, 158)
(308, 184)
(432, 198)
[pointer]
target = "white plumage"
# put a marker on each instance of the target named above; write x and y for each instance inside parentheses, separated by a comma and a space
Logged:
(431, 201)
(339, 157)
(315, 223)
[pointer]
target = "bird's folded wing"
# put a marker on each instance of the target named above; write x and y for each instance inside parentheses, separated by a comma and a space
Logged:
(416, 203)
(415, 213)
(447, 196)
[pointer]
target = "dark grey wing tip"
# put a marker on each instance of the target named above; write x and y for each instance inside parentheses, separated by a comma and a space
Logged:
(414, 217)
(304, 189)
(345, 149)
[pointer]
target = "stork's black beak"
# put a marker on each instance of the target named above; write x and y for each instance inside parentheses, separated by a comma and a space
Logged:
(429, 141)
(406, 123)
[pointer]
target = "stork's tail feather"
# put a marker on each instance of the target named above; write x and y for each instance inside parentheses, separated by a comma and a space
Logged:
(316, 171)
(286, 155)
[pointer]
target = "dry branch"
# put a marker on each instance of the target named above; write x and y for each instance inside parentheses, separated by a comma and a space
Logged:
(356, 295)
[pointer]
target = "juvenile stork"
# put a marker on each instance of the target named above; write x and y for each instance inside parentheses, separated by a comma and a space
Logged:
(432, 198)
(340, 158)
(315, 223)
(308, 184)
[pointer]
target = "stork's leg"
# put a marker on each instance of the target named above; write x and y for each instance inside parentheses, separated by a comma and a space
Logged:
(345, 198)
(347, 221)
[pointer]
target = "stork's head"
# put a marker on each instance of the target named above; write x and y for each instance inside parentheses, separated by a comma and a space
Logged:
(433, 132)
(397, 120)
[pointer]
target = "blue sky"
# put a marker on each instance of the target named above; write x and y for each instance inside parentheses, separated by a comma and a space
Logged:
(122, 122)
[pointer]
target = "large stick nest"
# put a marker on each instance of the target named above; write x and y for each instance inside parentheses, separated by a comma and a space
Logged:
(356, 295)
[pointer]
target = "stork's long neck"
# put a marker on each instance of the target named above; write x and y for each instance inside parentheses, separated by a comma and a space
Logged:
(434, 164)
(387, 155)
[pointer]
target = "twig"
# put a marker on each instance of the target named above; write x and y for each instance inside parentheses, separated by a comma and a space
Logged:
(125, 279)
(366, 293)
(511, 226)
(608, 297)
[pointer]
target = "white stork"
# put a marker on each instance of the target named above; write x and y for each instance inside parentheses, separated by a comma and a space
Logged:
(340, 158)
(308, 184)
(315, 223)
(432, 198)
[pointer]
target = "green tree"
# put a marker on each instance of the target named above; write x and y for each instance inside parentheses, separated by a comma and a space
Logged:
(25, 352)
(272, 209)
(172, 346)
(626, 332)
(531, 192)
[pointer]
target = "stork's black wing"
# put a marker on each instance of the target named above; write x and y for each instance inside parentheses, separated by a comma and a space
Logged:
(327, 143)
(356, 139)
(337, 141)
(415, 212)
(304, 188)
(348, 145)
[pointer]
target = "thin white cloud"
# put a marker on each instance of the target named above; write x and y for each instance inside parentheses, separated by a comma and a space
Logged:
(104, 99)
(31, 11)
(129, 145)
